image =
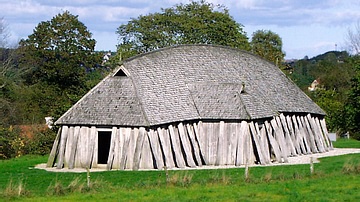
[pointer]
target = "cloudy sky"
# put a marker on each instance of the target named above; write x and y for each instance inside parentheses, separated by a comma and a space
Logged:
(307, 27)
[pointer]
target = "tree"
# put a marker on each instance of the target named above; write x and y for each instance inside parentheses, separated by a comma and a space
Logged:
(193, 23)
(59, 52)
(4, 33)
(353, 39)
(268, 45)
(353, 102)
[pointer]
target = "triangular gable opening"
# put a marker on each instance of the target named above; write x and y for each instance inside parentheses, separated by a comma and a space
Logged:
(120, 73)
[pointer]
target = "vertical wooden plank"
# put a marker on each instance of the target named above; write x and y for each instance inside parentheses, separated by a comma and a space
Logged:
(155, 149)
(302, 134)
(126, 132)
(213, 141)
(175, 143)
(206, 131)
(220, 157)
(298, 136)
(146, 159)
(63, 138)
(138, 148)
(185, 142)
(290, 125)
(288, 140)
(117, 150)
(264, 143)
(68, 146)
(74, 147)
(326, 133)
(194, 144)
(93, 142)
(324, 136)
(80, 158)
(317, 136)
(199, 136)
(111, 155)
(132, 146)
(54, 150)
(166, 145)
(279, 139)
(232, 143)
(258, 148)
(310, 134)
(241, 130)
(273, 143)
(120, 145)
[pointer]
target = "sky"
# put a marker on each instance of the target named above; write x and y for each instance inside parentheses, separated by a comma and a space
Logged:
(307, 27)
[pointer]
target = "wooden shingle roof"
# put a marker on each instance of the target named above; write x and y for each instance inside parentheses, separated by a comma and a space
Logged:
(189, 82)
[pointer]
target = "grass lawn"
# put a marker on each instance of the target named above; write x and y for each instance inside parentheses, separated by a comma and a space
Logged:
(335, 179)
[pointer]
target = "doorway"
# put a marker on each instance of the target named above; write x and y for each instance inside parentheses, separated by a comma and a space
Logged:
(104, 138)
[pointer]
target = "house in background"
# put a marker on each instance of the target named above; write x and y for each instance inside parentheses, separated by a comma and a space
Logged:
(190, 106)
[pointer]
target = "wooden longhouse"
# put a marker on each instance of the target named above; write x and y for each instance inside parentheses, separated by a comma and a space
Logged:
(190, 106)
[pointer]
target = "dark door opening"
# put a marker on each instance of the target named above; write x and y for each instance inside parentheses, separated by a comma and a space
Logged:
(104, 138)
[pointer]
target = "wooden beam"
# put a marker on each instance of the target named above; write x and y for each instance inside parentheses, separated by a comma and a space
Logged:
(200, 136)
(291, 127)
(166, 146)
(68, 146)
(54, 150)
(124, 157)
(138, 147)
(111, 155)
(220, 157)
(175, 142)
(232, 143)
(241, 130)
(156, 149)
(63, 138)
(258, 148)
(264, 142)
(91, 152)
(273, 143)
(194, 144)
(74, 147)
(146, 160)
(279, 136)
(185, 142)
(324, 133)
(310, 135)
(213, 133)
(304, 132)
(316, 132)
(288, 140)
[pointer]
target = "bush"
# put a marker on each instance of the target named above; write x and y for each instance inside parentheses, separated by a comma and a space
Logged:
(10, 143)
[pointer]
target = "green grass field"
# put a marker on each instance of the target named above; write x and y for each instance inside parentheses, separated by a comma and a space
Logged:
(334, 179)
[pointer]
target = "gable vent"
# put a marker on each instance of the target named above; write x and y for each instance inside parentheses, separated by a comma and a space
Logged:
(120, 73)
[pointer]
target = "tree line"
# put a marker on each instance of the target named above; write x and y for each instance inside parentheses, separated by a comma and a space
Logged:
(57, 64)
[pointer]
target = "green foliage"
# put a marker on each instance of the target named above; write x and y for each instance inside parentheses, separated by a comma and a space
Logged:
(41, 143)
(268, 45)
(8, 139)
(59, 52)
(353, 102)
(13, 143)
(330, 102)
(334, 71)
(193, 23)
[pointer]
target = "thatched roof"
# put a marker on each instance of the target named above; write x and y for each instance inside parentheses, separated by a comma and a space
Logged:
(189, 82)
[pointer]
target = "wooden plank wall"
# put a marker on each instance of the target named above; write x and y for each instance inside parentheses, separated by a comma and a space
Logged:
(194, 144)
